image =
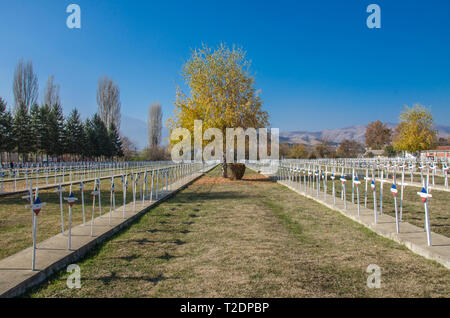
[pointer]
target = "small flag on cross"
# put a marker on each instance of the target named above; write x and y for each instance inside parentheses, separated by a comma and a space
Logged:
(71, 199)
(394, 190)
(424, 195)
(95, 192)
(37, 206)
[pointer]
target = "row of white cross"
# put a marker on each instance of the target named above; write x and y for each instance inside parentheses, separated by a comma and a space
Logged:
(161, 180)
(309, 177)
(70, 173)
(386, 167)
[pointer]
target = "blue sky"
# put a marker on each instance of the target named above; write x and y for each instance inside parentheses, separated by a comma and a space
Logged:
(316, 62)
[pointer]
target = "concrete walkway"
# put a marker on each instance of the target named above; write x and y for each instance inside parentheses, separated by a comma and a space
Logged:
(411, 236)
(52, 254)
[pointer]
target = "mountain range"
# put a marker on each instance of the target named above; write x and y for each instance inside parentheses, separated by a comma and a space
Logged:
(336, 136)
(136, 130)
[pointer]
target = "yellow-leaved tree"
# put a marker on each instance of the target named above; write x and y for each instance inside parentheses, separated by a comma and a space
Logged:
(415, 131)
(221, 93)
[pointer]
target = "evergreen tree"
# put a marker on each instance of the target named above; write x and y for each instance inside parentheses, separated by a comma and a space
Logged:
(46, 130)
(74, 134)
(10, 142)
(22, 131)
(6, 130)
(115, 140)
(56, 126)
(103, 145)
(97, 138)
(35, 129)
(89, 135)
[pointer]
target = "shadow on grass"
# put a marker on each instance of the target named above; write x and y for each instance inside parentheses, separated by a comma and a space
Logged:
(257, 180)
(106, 280)
(204, 196)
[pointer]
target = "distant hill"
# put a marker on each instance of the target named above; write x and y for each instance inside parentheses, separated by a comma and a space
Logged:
(336, 136)
(136, 130)
(444, 131)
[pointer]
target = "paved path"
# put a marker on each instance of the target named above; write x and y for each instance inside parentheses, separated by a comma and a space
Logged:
(410, 235)
(52, 254)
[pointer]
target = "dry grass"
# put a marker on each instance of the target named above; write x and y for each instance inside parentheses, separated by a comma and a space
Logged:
(15, 219)
(413, 209)
(248, 238)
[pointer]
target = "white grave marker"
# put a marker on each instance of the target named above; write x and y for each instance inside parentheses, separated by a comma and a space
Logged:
(71, 201)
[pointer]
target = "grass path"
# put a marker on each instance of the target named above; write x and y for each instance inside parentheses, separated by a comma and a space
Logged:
(249, 238)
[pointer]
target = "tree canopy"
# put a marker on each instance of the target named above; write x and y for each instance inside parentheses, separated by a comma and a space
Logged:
(221, 92)
(415, 131)
(45, 131)
(378, 135)
(349, 149)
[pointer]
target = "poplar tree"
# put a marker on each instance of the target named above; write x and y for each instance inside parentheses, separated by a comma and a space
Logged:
(25, 85)
(154, 125)
(108, 100)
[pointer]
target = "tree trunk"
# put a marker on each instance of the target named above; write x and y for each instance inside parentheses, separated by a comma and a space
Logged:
(224, 166)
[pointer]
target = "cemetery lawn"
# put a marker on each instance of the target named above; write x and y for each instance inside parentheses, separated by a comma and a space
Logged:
(248, 238)
(15, 219)
(413, 209)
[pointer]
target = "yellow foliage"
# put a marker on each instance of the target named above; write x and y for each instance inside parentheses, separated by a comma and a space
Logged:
(221, 92)
(415, 131)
